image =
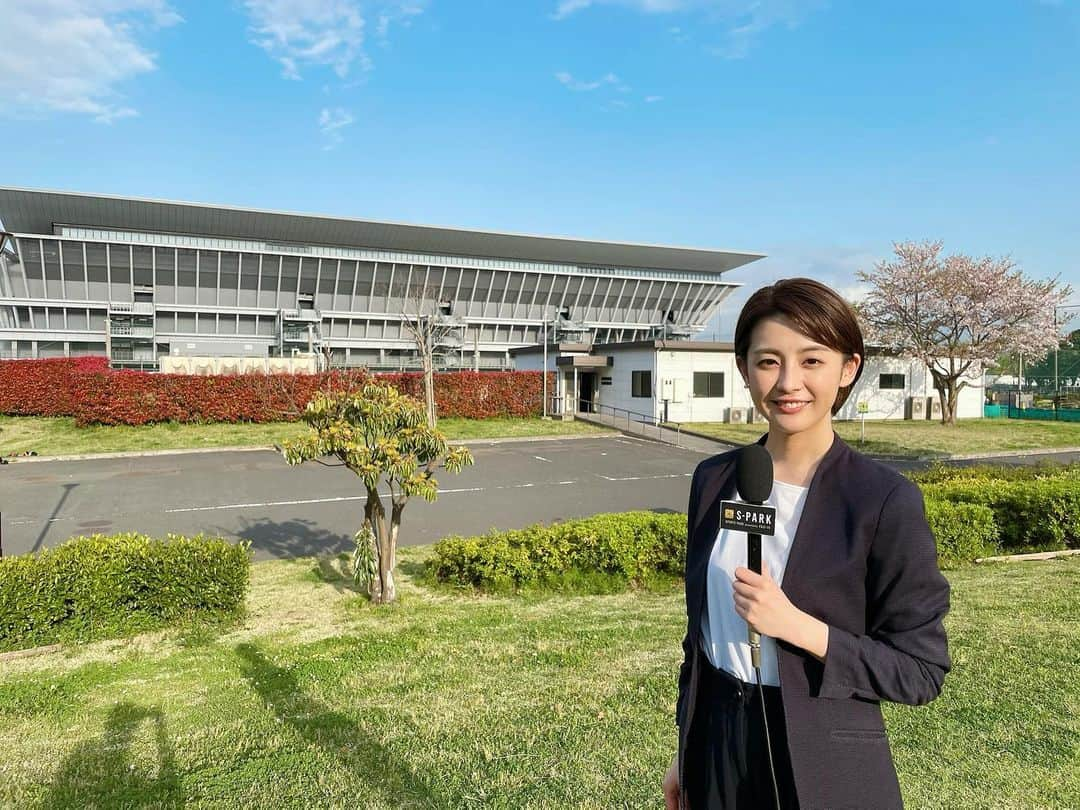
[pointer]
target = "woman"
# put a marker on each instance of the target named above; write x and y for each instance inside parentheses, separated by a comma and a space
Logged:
(858, 618)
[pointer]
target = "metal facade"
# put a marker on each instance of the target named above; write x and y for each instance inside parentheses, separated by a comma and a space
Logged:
(165, 276)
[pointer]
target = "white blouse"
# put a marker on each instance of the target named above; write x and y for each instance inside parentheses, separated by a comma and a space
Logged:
(723, 631)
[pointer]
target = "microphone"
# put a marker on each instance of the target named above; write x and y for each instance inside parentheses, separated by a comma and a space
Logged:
(754, 480)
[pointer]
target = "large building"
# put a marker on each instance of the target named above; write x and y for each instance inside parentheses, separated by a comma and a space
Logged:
(142, 279)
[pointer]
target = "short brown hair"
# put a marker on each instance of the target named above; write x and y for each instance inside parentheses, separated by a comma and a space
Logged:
(816, 311)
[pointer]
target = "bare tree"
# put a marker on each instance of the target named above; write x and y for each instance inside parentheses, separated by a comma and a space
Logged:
(433, 328)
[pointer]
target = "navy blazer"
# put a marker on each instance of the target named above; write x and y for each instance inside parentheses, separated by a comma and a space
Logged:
(863, 561)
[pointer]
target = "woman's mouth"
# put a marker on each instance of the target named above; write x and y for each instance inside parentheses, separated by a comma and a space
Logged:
(790, 406)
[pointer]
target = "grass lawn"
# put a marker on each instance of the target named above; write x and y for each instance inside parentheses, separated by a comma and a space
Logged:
(60, 436)
(319, 700)
(927, 439)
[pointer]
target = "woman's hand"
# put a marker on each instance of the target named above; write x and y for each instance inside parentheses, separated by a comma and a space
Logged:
(671, 785)
(759, 600)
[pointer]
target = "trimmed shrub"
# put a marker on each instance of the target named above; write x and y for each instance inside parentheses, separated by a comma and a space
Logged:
(631, 546)
(1041, 514)
(109, 585)
(944, 473)
(88, 390)
(962, 531)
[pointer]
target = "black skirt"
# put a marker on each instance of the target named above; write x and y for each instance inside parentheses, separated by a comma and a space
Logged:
(726, 761)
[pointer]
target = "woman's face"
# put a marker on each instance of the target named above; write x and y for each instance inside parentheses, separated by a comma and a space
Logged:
(793, 379)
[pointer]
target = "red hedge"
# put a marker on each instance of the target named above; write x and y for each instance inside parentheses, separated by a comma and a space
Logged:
(87, 389)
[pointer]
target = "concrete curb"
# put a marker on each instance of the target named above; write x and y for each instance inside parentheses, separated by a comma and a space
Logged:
(254, 448)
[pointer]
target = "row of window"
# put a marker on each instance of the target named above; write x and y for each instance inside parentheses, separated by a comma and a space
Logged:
(710, 384)
(707, 384)
(255, 246)
(95, 271)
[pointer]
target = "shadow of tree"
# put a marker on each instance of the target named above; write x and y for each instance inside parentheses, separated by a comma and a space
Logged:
(336, 570)
(99, 773)
(336, 734)
(288, 539)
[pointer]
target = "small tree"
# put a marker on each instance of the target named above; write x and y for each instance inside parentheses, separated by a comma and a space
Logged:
(957, 313)
(381, 435)
(428, 322)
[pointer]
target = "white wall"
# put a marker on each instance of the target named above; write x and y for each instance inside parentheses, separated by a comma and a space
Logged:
(889, 404)
(619, 393)
(681, 365)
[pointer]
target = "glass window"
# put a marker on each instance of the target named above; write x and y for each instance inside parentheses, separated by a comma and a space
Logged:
(641, 383)
(891, 382)
(708, 384)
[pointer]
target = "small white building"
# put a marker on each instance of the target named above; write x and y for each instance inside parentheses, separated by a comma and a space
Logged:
(698, 381)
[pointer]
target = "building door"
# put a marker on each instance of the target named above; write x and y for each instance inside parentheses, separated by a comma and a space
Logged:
(587, 392)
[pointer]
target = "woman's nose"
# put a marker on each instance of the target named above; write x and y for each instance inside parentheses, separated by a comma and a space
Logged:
(789, 378)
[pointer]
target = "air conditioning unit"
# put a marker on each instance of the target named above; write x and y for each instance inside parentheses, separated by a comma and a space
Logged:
(737, 416)
(933, 408)
(915, 408)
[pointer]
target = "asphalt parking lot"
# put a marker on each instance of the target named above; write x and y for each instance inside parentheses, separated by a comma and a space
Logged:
(315, 509)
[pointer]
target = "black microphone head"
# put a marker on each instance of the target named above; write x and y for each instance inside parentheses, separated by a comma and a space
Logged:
(754, 473)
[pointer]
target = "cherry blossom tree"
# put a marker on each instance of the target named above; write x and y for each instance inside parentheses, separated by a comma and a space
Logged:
(957, 313)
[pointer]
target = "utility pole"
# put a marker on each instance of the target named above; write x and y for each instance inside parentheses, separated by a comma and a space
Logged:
(545, 395)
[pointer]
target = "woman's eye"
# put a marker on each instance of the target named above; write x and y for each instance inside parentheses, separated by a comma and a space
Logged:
(813, 361)
(763, 363)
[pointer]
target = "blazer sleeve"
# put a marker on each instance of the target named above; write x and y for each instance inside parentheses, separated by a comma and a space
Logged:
(904, 655)
(687, 645)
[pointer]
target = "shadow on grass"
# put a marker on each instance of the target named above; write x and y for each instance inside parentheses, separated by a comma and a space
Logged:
(335, 571)
(100, 773)
(336, 734)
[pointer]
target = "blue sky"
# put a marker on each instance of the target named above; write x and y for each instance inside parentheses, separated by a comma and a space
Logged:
(815, 132)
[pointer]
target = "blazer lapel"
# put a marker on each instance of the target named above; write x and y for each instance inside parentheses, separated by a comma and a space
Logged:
(814, 514)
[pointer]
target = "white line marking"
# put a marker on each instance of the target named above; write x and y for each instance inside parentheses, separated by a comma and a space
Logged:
(644, 477)
(541, 458)
(268, 503)
(348, 498)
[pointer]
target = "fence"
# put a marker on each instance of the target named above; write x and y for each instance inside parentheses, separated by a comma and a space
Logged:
(1047, 414)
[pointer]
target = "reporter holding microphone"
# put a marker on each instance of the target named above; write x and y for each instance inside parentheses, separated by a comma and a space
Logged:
(849, 602)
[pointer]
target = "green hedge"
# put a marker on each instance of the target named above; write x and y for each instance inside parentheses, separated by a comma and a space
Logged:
(946, 473)
(1032, 515)
(631, 546)
(962, 531)
(109, 585)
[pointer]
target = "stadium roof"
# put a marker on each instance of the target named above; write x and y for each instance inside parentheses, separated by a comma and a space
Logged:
(37, 211)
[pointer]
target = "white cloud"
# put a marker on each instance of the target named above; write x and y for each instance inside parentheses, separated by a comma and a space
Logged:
(331, 122)
(321, 33)
(70, 56)
(568, 81)
(653, 99)
(741, 20)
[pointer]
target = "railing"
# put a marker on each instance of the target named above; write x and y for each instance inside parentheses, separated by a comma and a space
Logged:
(636, 422)
(312, 315)
(136, 365)
(127, 330)
(136, 308)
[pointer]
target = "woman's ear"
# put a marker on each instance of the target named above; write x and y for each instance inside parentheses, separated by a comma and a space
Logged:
(851, 368)
(740, 364)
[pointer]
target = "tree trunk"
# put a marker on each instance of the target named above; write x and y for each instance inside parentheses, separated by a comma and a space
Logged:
(429, 388)
(383, 589)
(954, 401)
(396, 508)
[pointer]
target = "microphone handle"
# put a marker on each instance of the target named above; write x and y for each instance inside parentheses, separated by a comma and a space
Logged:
(753, 554)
